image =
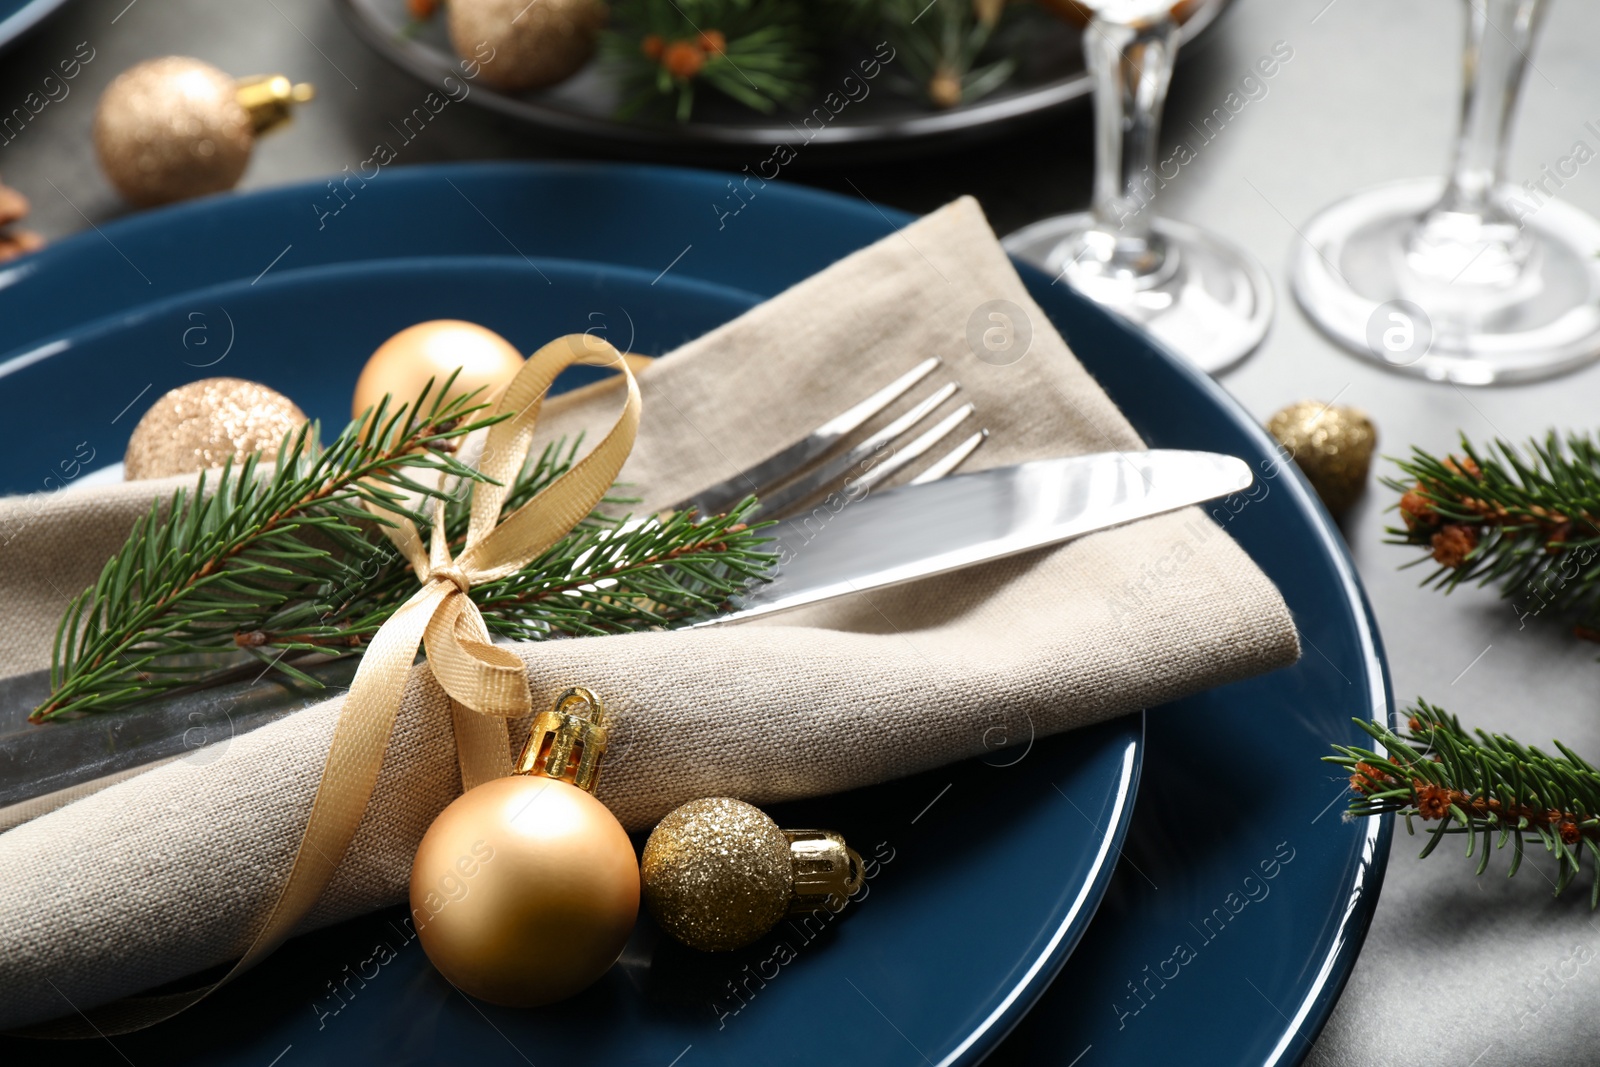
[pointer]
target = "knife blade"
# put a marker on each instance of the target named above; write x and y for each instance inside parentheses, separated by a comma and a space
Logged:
(918, 531)
(862, 543)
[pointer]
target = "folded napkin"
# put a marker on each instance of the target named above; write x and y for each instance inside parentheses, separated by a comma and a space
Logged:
(157, 876)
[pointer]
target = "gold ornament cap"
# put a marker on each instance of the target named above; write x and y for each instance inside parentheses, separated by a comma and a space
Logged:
(269, 99)
(827, 871)
(1332, 445)
(567, 741)
(204, 424)
(718, 873)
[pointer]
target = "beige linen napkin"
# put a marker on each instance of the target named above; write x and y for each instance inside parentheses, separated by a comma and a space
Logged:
(160, 875)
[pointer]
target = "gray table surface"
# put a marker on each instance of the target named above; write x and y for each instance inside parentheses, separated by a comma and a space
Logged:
(1456, 971)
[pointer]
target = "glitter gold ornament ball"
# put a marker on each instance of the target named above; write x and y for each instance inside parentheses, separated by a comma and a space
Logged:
(200, 425)
(1332, 444)
(404, 363)
(172, 128)
(526, 46)
(717, 873)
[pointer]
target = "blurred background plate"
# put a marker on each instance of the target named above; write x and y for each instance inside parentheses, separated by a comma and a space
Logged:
(1226, 795)
(1050, 76)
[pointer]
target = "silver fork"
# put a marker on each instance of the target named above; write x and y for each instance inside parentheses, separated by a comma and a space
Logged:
(803, 469)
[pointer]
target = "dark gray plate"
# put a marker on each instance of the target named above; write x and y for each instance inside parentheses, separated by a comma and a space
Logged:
(1051, 76)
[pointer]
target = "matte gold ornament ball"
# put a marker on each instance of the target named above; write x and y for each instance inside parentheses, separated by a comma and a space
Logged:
(172, 128)
(404, 363)
(718, 873)
(519, 45)
(201, 425)
(524, 890)
(1332, 444)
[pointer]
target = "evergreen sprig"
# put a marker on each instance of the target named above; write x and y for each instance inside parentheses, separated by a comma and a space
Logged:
(288, 561)
(1487, 786)
(758, 52)
(1524, 520)
(943, 48)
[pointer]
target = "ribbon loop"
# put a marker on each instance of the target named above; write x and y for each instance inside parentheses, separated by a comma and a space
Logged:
(487, 684)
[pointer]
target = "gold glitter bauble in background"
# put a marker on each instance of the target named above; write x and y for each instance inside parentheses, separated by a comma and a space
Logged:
(526, 46)
(172, 128)
(1333, 445)
(717, 874)
(200, 425)
(404, 363)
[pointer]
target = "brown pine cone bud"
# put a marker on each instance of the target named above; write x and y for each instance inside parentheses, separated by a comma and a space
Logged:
(1416, 509)
(1453, 544)
(683, 59)
(944, 90)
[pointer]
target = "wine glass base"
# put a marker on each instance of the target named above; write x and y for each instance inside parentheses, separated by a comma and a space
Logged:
(1211, 304)
(1355, 280)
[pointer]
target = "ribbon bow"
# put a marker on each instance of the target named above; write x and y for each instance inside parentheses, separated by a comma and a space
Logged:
(486, 684)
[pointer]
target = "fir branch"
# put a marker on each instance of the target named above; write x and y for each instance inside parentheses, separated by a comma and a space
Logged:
(757, 52)
(287, 564)
(191, 568)
(631, 577)
(1527, 522)
(1484, 785)
(945, 47)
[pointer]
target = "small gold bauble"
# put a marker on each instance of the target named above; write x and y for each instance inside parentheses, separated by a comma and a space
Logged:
(717, 873)
(404, 363)
(201, 425)
(172, 128)
(1333, 445)
(526, 46)
(524, 890)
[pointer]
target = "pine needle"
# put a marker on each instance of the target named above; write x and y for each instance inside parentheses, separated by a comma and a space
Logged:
(283, 562)
(1480, 784)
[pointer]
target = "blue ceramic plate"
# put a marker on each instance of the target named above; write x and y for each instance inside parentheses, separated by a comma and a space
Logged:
(1037, 827)
(17, 17)
(1195, 954)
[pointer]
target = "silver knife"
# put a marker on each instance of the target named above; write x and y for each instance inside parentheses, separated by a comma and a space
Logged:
(849, 545)
(917, 531)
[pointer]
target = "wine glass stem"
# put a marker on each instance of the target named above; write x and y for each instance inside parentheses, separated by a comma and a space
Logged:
(1500, 34)
(1131, 64)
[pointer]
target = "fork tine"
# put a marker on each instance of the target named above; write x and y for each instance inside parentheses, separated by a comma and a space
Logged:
(914, 450)
(958, 455)
(777, 501)
(781, 465)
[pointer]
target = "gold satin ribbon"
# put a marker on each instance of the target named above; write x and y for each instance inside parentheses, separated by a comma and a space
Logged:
(486, 684)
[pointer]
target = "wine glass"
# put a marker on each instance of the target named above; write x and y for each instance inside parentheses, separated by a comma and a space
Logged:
(1468, 280)
(1204, 297)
